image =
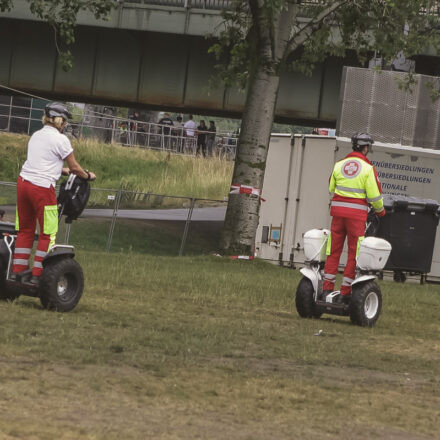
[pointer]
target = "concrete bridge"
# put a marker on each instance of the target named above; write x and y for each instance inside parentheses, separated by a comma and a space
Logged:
(150, 54)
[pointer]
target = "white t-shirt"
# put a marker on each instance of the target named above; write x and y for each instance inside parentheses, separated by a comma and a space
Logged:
(190, 127)
(47, 149)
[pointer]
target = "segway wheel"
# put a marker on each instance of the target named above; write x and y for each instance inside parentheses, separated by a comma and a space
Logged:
(61, 285)
(6, 293)
(305, 304)
(365, 304)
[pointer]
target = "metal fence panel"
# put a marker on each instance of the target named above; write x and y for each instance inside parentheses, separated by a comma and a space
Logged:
(127, 221)
(205, 228)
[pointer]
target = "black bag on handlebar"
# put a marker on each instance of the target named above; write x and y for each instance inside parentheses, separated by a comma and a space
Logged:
(73, 197)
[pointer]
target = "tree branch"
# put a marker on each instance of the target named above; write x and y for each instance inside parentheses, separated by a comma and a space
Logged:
(305, 31)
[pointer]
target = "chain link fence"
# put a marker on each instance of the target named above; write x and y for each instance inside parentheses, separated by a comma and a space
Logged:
(126, 221)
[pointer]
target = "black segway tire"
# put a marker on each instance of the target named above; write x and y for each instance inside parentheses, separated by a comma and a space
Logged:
(61, 285)
(6, 293)
(365, 304)
(305, 304)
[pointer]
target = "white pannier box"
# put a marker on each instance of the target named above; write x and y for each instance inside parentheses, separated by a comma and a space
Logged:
(315, 244)
(373, 253)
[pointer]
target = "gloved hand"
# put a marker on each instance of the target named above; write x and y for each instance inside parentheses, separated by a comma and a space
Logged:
(381, 213)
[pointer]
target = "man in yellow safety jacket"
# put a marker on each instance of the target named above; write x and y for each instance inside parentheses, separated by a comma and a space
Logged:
(355, 184)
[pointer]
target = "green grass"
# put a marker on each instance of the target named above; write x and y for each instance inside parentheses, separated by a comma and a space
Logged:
(144, 236)
(207, 347)
(132, 169)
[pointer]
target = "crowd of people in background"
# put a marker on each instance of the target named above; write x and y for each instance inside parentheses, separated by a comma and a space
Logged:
(175, 135)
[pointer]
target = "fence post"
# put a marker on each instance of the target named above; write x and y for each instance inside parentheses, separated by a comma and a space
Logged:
(82, 124)
(187, 223)
(113, 222)
(10, 112)
(30, 116)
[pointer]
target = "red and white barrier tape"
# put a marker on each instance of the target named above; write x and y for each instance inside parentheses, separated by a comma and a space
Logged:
(245, 189)
(242, 257)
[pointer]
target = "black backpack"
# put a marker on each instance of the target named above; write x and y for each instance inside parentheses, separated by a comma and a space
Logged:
(73, 197)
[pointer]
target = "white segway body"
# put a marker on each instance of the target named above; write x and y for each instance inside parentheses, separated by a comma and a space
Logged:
(365, 303)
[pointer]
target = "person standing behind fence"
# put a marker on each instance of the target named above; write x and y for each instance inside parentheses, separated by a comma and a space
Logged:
(178, 133)
(190, 131)
(166, 123)
(211, 137)
(201, 137)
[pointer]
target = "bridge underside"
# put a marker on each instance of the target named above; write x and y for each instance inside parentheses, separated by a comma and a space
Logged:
(151, 70)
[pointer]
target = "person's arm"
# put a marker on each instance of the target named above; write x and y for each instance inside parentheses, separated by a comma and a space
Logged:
(332, 183)
(374, 193)
(75, 168)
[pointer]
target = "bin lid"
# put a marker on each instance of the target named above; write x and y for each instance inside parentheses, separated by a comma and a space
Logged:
(410, 203)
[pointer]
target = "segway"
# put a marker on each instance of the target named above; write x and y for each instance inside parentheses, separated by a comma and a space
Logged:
(365, 303)
(61, 284)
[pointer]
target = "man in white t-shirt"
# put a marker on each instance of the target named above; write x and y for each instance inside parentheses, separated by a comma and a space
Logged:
(48, 148)
(190, 126)
(190, 131)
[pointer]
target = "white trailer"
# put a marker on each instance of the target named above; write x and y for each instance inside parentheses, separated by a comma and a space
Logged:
(296, 189)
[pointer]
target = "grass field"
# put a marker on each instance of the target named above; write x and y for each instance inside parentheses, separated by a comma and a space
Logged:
(132, 169)
(210, 348)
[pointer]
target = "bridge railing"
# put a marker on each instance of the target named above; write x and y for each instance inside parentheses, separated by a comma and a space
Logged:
(26, 119)
(198, 4)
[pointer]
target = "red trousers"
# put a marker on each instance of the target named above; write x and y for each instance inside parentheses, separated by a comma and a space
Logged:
(352, 229)
(34, 203)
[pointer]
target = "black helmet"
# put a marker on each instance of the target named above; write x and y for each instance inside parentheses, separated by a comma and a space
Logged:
(360, 140)
(54, 109)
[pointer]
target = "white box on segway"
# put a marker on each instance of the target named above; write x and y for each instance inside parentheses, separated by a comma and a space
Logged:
(315, 242)
(373, 253)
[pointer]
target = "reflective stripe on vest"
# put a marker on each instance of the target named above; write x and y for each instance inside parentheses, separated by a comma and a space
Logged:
(349, 205)
(375, 199)
(355, 190)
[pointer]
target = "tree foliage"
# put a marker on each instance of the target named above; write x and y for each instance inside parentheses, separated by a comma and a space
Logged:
(321, 28)
(62, 16)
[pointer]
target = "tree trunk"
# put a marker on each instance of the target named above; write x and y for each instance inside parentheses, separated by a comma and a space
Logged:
(242, 214)
(271, 37)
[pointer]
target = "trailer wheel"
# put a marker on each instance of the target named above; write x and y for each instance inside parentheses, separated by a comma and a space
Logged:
(61, 285)
(305, 304)
(6, 293)
(365, 304)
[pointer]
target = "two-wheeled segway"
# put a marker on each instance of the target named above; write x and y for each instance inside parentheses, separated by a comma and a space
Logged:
(61, 284)
(365, 304)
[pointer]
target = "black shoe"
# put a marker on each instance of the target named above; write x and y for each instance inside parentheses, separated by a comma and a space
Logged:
(343, 299)
(13, 276)
(34, 280)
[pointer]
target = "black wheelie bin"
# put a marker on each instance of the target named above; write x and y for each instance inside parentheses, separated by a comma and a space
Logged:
(410, 225)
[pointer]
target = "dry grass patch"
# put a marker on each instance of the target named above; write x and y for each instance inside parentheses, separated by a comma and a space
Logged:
(185, 348)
